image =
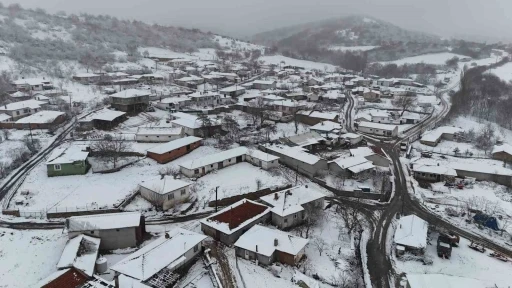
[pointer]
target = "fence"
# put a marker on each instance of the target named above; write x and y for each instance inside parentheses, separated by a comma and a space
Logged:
(251, 196)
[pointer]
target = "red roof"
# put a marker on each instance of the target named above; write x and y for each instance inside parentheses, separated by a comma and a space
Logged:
(239, 214)
(377, 150)
(72, 278)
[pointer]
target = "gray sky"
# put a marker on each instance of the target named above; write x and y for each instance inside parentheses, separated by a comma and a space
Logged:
(245, 17)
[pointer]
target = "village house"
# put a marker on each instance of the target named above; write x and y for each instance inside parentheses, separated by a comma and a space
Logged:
(33, 84)
(87, 78)
(484, 172)
(229, 76)
(386, 82)
(315, 117)
(433, 173)
(371, 96)
(190, 81)
(4, 118)
(269, 98)
(173, 103)
(411, 235)
(311, 141)
(351, 138)
(326, 128)
(432, 138)
(373, 154)
(287, 106)
(42, 98)
(230, 223)
(427, 101)
(104, 119)
(380, 117)
(314, 81)
(158, 134)
(130, 100)
(502, 152)
(174, 149)
(264, 84)
(204, 98)
(292, 207)
(204, 165)
(192, 126)
(295, 96)
(378, 129)
(297, 159)
(165, 192)
(20, 96)
(266, 246)
(154, 265)
(233, 91)
(351, 167)
(67, 161)
(73, 255)
(116, 230)
(41, 120)
(22, 109)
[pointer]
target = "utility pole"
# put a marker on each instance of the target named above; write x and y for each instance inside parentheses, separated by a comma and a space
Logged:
(30, 128)
(296, 175)
(216, 198)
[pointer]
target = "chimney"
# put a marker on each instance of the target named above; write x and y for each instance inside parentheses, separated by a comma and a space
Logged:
(306, 186)
(167, 236)
(276, 196)
(275, 242)
(256, 248)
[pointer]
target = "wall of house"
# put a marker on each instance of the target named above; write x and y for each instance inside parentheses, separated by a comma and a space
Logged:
(174, 154)
(250, 255)
(503, 156)
(261, 163)
(209, 168)
(162, 200)
(500, 179)
(77, 168)
(112, 239)
(430, 143)
(335, 168)
(428, 176)
(304, 168)
(285, 258)
(288, 221)
(156, 138)
(378, 131)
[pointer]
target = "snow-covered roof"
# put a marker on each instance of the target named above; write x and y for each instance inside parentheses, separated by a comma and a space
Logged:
(326, 126)
(236, 216)
(506, 148)
(321, 115)
(379, 113)
(174, 100)
(161, 131)
(361, 167)
(306, 139)
(4, 117)
(434, 135)
(351, 136)
(203, 95)
(482, 168)
(67, 155)
(272, 97)
(427, 99)
(129, 282)
(439, 170)
(378, 126)
(264, 82)
(297, 153)
(411, 232)
(103, 114)
(71, 276)
(174, 144)
(32, 104)
(86, 75)
(179, 115)
(354, 164)
(41, 117)
(103, 221)
(165, 252)
(232, 89)
(80, 252)
(261, 240)
(287, 103)
(30, 81)
(225, 155)
(361, 151)
(442, 281)
(165, 185)
(131, 93)
(190, 78)
(291, 200)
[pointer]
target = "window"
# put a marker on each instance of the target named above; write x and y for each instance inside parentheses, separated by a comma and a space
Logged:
(157, 136)
(57, 167)
(196, 248)
(285, 220)
(170, 196)
(26, 110)
(196, 171)
(17, 112)
(211, 166)
(294, 216)
(92, 232)
(183, 192)
(229, 160)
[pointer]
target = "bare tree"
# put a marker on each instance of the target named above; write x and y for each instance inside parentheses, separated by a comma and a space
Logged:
(319, 244)
(6, 133)
(350, 218)
(206, 123)
(269, 130)
(484, 140)
(259, 111)
(404, 102)
(314, 214)
(230, 125)
(111, 148)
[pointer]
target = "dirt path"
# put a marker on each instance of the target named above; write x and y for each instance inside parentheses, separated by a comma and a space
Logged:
(226, 276)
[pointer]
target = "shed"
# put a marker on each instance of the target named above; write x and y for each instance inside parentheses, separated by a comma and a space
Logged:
(80, 252)
(164, 192)
(41, 120)
(70, 160)
(158, 134)
(378, 129)
(411, 233)
(104, 119)
(174, 149)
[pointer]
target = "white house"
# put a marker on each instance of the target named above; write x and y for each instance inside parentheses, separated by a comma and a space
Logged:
(164, 192)
(411, 233)
(204, 98)
(380, 116)
(21, 109)
(158, 134)
(32, 84)
(173, 103)
(351, 166)
(233, 91)
(264, 84)
(326, 127)
(352, 138)
(378, 129)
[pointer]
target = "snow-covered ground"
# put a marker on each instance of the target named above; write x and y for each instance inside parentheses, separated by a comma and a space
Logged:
(237, 44)
(504, 72)
(352, 48)
(28, 256)
(277, 59)
(433, 58)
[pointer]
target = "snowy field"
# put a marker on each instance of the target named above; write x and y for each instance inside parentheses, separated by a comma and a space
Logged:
(468, 123)
(433, 58)
(504, 72)
(237, 44)
(277, 59)
(464, 262)
(29, 255)
(352, 48)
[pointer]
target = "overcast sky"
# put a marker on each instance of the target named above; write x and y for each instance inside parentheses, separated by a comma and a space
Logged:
(489, 18)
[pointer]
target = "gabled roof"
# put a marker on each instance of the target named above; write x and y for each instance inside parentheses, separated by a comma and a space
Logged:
(228, 154)
(69, 278)
(506, 148)
(41, 117)
(290, 201)
(174, 144)
(411, 232)
(103, 221)
(305, 139)
(297, 153)
(67, 155)
(326, 126)
(236, 216)
(165, 252)
(380, 126)
(166, 131)
(130, 93)
(261, 240)
(165, 185)
(434, 135)
(103, 114)
(31, 104)
(440, 170)
(80, 252)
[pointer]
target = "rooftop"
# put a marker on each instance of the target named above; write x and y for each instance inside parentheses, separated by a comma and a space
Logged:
(174, 144)
(228, 154)
(264, 82)
(165, 185)
(378, 126)
(232, 89)
(506, 148)
(321, 115)
(261, 240)
(103, 114)
(291, 200)
(32, 104)
(64, 278)
(297, 153)
(131, 93)
(440, 170)
(80, 252)
(305, 139)
(326, 126)
(67, 155)
(434, 135)
(103, 221)
(159, 131)
(411, 232)
(41, 117)
(236, 216)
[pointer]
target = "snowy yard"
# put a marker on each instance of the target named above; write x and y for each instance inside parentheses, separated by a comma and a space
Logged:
(277, 59)
(504, 72)
(29, 255)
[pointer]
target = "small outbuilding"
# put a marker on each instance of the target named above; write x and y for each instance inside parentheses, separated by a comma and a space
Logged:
(104, 119)
(67, 161)
(80, 252)
(411, 233)
(378, 129)
(158, 134)
(165, 192)
(169, 151)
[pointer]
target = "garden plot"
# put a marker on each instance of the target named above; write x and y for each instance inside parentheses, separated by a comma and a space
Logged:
(450, 147)
(464, 262)
(29, 255)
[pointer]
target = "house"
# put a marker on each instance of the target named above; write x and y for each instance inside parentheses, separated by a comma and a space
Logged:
(269, 98)
(87, 78)
(314, 81)
(411, 233)
(266, 246)
(204, 165)
(410, 118)
(42, 98)
(432, 138)
(174, 149)
(69, 278)
(398, 92)
(502, 152)
(433, 173)
(352, 138)
(385, 82)
(230, 223)
(81, 253)
(311, 141)
(427, 101)
(22, 109)
(104, 119)
(351, 166)
(315, 117)
(373, 154)
(296, 96)
(158, 134)
(192, 126)
(130, 100)
(442, 281)
(363, 118)
(204, 98)
(372, 95)
(67, 161)
(116, 230)
(293, 206)
(484, 172)
(229, 76)
(20, 96)
(233, 91)
(297, 158)
(33, 84)
(264, 84)
(155, 264)
(174, 103)
(287, 106)
(332, 96)
(190, 81)
(378, 129)
(326, 127)
(164, 192)
(380, 116)
(4, 118)
(41, 120)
